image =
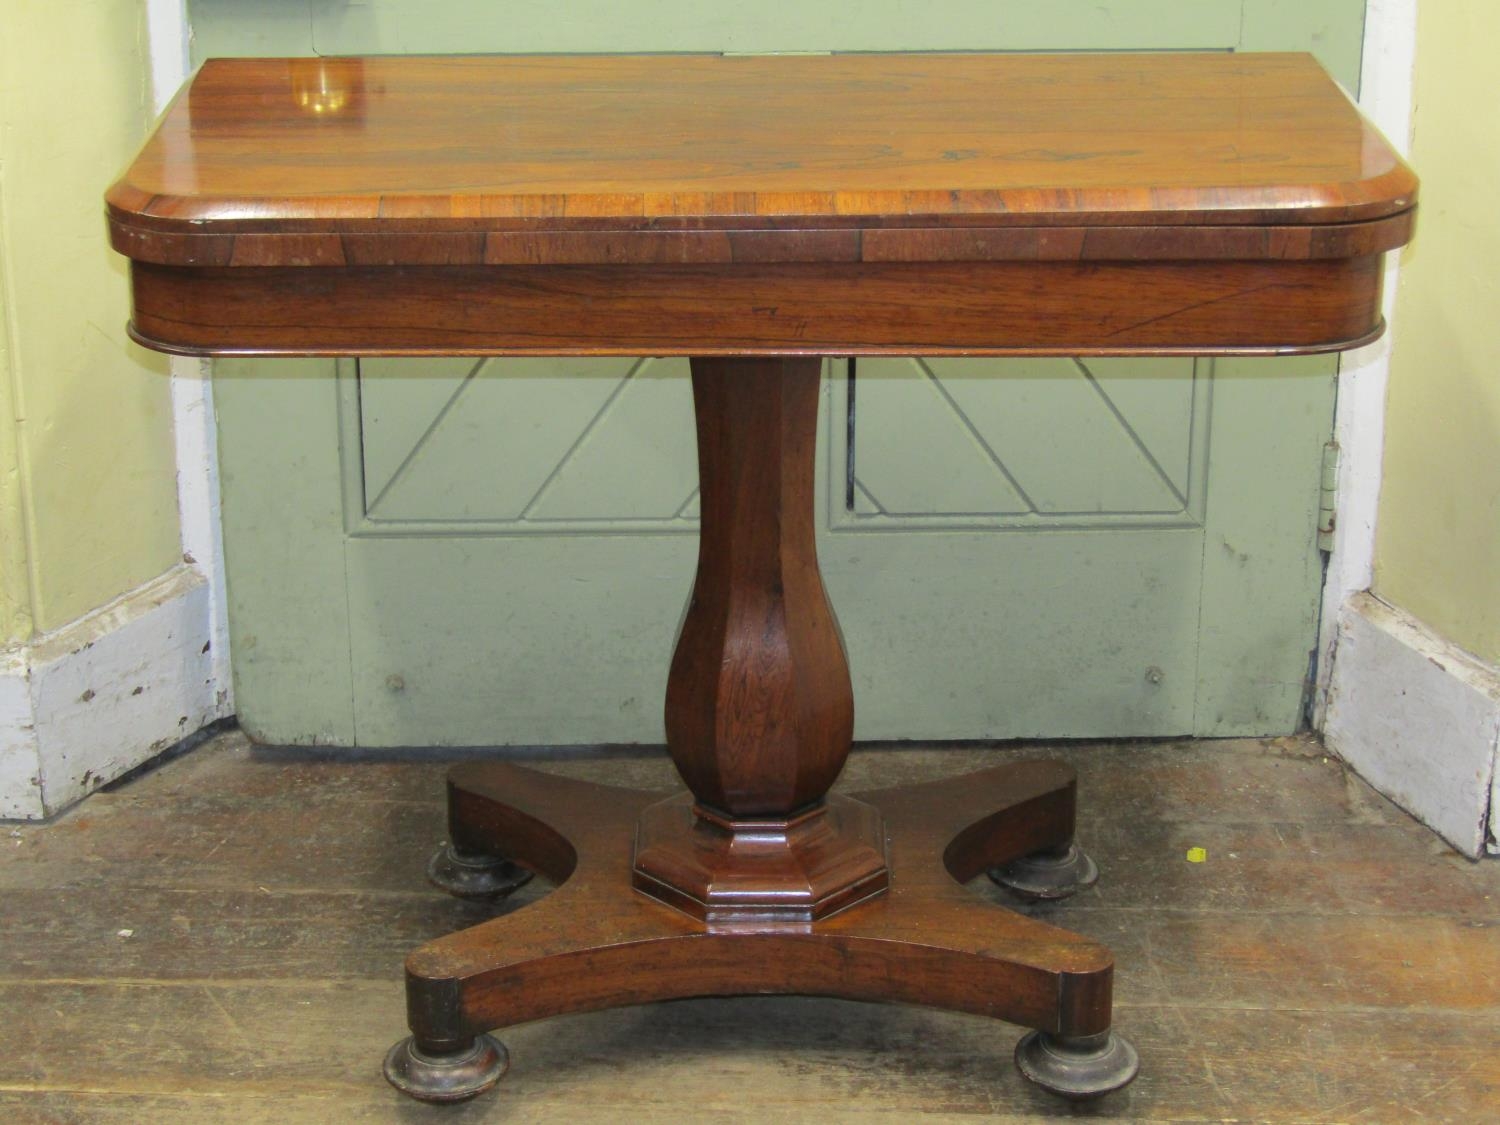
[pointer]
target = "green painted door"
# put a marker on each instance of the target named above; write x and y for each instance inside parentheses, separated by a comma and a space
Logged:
(452, 552)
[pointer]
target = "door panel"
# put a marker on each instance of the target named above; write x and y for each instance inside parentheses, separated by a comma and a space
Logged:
(525, 445)
(450, 551)
(1024, 442)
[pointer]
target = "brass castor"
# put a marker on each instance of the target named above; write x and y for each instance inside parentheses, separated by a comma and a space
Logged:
(1048, 875)
(1077, 1066)
(475, 876)
(446, 1076)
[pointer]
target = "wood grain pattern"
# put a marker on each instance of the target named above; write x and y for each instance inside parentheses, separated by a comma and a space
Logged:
(595, 943)
(759, 708)
(704, 205)
(899, 308)
(827, 243)
(629, 142)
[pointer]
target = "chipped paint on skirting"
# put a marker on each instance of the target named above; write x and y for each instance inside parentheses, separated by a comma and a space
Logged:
(1418, 718)
(89, 702)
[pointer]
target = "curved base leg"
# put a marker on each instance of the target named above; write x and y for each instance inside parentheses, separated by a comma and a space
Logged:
(446, 1076)
(466, 875)
(1048, 875)
(1079, 1066)
(596, 942)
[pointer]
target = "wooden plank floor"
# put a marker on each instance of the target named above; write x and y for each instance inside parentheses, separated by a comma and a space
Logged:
(221, 940)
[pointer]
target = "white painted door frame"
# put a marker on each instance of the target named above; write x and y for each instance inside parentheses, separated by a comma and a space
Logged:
(193, 426)
(1359, 421)
(1359, 427)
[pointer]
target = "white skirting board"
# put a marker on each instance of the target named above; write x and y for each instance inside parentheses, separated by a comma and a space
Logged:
(1419, 719)
(85, 704)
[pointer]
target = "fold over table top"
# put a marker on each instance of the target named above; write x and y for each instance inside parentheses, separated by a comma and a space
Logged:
(703, 160)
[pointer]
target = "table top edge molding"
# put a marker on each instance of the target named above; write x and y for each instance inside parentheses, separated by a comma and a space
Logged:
(394, 245)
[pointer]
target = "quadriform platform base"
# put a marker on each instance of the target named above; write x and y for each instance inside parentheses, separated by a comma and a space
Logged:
(596, 942)
(758, 215)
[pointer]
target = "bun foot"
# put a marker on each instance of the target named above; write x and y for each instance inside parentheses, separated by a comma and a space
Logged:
(450, 1076)
(475, 876)
(1048, 875)
(1077, 1066)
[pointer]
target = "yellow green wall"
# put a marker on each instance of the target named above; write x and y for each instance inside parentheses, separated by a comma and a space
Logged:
(87, 488)
(15, 596)
(1438, 537)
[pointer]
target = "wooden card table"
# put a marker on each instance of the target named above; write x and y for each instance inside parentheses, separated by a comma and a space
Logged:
(758, 214)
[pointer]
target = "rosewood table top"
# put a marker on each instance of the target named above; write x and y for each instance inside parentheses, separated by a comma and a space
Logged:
(626, 142)
(736, 180)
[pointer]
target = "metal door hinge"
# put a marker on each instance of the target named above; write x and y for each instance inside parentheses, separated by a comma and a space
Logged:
(1328, 496)
(849, 440)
